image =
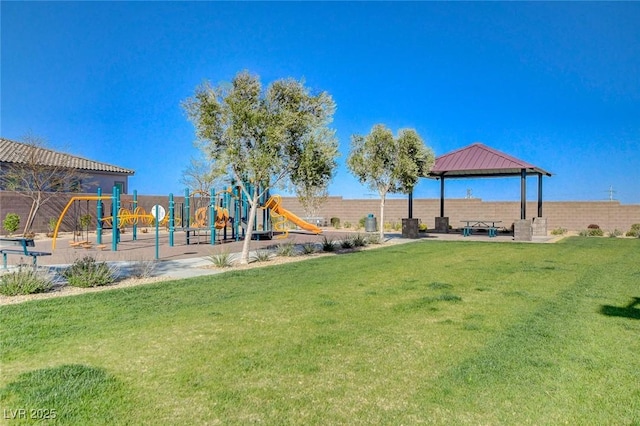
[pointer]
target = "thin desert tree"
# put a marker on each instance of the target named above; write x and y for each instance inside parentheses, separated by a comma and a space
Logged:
(261, 136)
(389, 164)
(39, 176)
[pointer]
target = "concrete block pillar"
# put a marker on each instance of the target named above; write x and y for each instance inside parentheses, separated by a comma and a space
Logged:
(410, 228)
(539, 226)
(523, 230)
(442, 224)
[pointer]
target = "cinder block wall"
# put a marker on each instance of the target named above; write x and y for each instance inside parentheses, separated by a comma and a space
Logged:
(572, 215)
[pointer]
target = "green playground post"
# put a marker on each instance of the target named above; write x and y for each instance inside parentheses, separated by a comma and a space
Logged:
(135, 221)
(115, 207)
(171, 219)
(212, 215)
(99, 218)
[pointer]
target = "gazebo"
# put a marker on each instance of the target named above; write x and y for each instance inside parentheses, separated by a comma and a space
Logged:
(480, 161)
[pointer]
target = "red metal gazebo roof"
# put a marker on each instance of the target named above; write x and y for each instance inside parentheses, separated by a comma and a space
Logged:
(478, 160)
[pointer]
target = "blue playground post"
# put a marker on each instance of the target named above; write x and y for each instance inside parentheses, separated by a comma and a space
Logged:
(236, 213)
(187, 214)
(115, 208)
(157, 232)
(135, 220)
(171, 219)
(212, 215)
(99, 219)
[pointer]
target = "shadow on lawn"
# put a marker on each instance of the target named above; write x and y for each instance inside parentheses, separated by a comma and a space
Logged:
(629, 311)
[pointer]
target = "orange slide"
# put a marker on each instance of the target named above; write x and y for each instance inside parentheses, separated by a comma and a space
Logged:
(274, 203)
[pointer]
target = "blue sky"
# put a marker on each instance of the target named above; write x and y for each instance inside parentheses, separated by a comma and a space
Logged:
(554, 84)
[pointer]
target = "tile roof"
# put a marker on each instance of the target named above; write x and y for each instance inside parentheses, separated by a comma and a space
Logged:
(15, 152)
(479, 160)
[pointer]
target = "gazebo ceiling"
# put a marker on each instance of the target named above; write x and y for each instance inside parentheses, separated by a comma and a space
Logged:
(478, 160)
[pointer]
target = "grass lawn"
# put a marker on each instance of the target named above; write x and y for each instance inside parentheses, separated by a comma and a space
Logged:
(427, 332)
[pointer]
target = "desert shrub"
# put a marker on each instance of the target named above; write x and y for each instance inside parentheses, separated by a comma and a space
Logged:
(558, 231)
(308, 248)
(634, 231)
(261, 256)
(422, 227)
(615, 233)
(51, 226)
(360, 241)
(87, 272)
(592, 232)
(397, 226)
(374, 239)
(221, 260)
(346, 243)
(24, 281)
(347, 224)
(328, 244)
(335, 222)
(286, 250)
(362, 221)
(11, 223)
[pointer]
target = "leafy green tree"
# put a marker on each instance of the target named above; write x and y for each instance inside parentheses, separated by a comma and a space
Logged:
(315, 171)
(259, 136)
(389, 164)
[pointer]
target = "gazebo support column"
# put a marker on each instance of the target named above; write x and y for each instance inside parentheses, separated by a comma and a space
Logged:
(539, 194)
(442, 196)
(442, 222)
(523, 194)
(539, 223)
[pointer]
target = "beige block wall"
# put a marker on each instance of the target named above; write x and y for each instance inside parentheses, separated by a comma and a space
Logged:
(572, 215)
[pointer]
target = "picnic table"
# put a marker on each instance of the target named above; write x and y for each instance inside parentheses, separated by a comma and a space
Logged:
(23, 250)
(486, 224)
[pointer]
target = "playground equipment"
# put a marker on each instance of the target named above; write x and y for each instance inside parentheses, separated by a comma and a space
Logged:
(216, 214)
(277, 211)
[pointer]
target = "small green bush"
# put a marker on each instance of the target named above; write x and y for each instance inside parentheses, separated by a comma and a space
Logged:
(87, 272)
(362, 221)
(346, 243)
(615, 233)
(261, 256)
(422, 227)
(360, 241)
(634, 231)
(286, 250)
(558, 231)
(24, 281)
(328, 244)
(374, 239)
(221, 260)
(591, 232)
(308, 248)
(11, 223)
(347, 224)
(335, 222)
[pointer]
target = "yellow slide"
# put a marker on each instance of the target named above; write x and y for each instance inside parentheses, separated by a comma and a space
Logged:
(274, 204)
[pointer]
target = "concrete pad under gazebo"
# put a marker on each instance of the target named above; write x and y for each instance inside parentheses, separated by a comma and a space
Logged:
(480, 161)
